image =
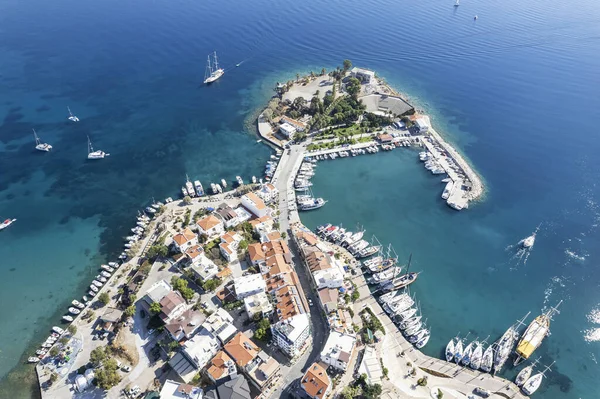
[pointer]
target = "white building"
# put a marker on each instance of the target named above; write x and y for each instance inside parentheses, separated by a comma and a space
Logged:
(364, 75)
(220, 323)
(254, 204)
(287, 130)
(258, 304)
(422, 125)
(201, 348)
(338, 350)
(177, 390)
(242, 215)
(249, 285)
(267, 192)
(229, 245)
(184, 240)
(204, 268)
(291, 334)
(210, 226)
(157, 292)
(329, 278)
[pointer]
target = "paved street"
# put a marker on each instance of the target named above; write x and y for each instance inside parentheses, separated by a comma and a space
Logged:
(283, 181)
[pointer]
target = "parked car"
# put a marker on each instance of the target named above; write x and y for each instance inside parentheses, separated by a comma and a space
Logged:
(126, 369)
(482, 392)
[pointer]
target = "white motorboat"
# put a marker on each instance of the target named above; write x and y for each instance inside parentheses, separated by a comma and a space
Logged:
(7, 223)
(198, 187)
(487, 360)
(528, 242)
(105, 274)
(128, 245)
(85, 299)
(101, 278)
(239, 180)
(58, 330)
(33, 359)
(39, 145)
(315, 204)
(450, 350)
(96, 283)
(476, 357)
(447, 190)
(213, 72)
(95, 154)
(457, 3)
(75, 302)
(41, 352)
(73, 310)
(72, 117)
(92, 293)
(67, 318)
(184, 191)
(189, 187)
(107, 268)
(254, 179)
(113, 264)
(123, 256)
(466, 357)
(219, 189)
(46, 345)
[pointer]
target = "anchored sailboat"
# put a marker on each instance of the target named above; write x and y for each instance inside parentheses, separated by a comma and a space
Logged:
(95, 154)
(213, 72)
(72, 117)
(39, 145)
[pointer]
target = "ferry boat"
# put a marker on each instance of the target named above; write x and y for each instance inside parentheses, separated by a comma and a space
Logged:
(189, 187)
(239, 180)
(7, 223)
(39, 145)
(72, 117)
(199, 188)
(95, 154)
(213, 72)
(223, 183)
(315, 204)
(534, 335)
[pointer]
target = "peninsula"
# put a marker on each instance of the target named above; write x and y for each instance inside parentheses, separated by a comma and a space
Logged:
(349, 110)
(228, 295)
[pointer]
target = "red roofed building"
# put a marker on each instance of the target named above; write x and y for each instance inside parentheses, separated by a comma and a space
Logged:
(184, 240)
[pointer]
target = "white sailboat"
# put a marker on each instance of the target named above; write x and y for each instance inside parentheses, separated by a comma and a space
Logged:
(477, 355)
(488, 359)
(213, 72)
(72, 117)
(95, 154)
(450, 350)
(39, 145)
(534, 382)
(524, 374)
(457, 3)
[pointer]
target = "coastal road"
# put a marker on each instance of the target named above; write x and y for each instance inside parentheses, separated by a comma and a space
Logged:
(289, 165)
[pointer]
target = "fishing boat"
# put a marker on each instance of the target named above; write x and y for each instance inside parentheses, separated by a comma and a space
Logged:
(534, 382)
(72, 117)
(7, 223)
(75, 302)
(477, 356)
(524, 374)
(450, 350)
(466, 357)
(189, 186)
(95, 154)
(534, 335)
(487, 360)
(199, 188)
(213, 72)
(39, 145)
(239, 180)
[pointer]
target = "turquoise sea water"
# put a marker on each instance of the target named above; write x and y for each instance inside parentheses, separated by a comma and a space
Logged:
(517, 90)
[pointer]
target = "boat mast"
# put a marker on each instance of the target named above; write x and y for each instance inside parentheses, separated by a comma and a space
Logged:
(208, 68)
(37, 139)
(90, 148)
(216, 63)
(69, 109)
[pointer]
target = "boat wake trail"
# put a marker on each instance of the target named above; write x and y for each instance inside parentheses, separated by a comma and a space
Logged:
(522, 250)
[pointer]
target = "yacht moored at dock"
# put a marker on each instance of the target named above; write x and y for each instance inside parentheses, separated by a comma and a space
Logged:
(534, 335)
(189, 187)
(239, 180)
(199, 188)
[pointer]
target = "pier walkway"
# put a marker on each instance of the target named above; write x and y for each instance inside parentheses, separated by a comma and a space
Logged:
(441, 374)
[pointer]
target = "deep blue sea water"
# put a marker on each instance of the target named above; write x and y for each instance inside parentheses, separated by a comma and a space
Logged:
(517, 90)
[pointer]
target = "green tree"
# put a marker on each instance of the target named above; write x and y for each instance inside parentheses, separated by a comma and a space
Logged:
(347, 65)
(263, 330)
(104, 298)
(243, 245)
(173, 345)
(353, 87)
(54, 351)
(440, 394)
(130, 311)
(210, 285)
(422, 381)
(157, 250)
(108, 376)
(284, 235)
(155, 308)
(53, 378)
(98, 355)
(355, 295)
(372, 391)
(72, 329)
(316, 106)
(181, 285)
(187, 200)
(350, 392)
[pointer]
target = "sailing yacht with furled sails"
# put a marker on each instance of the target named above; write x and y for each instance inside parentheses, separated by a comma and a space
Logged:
(213, 72)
